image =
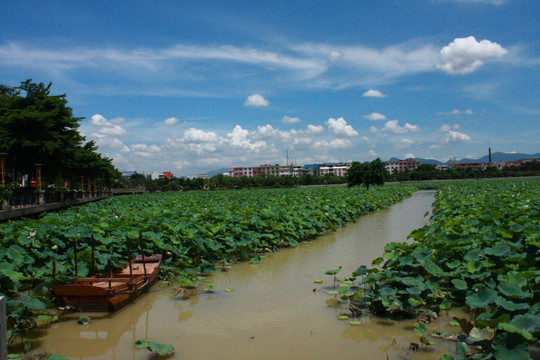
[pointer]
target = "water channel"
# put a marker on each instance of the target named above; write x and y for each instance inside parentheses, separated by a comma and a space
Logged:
(275, 310)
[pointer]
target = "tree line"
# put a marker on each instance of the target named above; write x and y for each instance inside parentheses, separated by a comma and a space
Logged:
(429, 172)
(39, 129)
(221, 181)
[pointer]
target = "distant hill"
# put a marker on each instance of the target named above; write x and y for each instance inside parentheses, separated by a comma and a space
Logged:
(500, 156)
(422, 161)
(217, 171)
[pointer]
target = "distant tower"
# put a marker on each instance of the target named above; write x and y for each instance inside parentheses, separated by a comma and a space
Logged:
(490, 156)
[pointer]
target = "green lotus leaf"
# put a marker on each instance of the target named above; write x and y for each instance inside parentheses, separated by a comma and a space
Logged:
(445, 304)
(424, 340)
(498, 250)
(417, 290)
(142, 344)
(405, 260)
(510, 305)
(491, 319)
(420, 328)
(161, 349)
(515, 330)
(517, 228)
(415, 301)
(513, 290)
(433, 268)
(516, 278)
(421, 254)
(29, 302)
(362, 270)
(453, 264)
(481, 298)
(334, 271)
(9, 272)
(16, 254)
(255, 259)
(510, 346)
(473, 255)
(505, 234)
(460, 284)
(526, 322)
(155, 347)
(83, 320)
(388, 291)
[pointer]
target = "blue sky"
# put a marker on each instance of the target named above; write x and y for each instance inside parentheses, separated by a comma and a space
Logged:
(194, 86)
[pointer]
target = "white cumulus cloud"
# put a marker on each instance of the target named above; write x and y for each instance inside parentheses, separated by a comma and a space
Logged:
(456, 137)
(375, 116)
(373, 93)
(240, 138)
(171, 121)
(405, 143)
(340, 127)
(465, 55)
(107, 127)
(393, 126)
(315, 129)
(290, 120)
(256, 100)
(456, 112)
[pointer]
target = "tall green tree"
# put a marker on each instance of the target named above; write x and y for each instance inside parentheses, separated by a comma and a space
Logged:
(366, 174)
(39, 128)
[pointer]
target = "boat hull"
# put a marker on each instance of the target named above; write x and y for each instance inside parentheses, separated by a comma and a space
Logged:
(95, 294)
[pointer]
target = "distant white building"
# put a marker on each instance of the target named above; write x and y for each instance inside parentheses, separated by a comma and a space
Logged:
(337, 169)
(391, 166)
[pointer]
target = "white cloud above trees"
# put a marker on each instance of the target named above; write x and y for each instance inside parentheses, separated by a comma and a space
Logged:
(465, 55)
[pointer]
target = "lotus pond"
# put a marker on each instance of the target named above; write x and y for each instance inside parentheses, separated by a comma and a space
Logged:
(266, 310)
(479, 255)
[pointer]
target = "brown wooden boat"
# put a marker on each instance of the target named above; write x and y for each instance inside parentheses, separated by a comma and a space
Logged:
(110, 293)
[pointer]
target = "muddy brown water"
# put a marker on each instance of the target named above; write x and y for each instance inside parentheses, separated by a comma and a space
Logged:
(275, 310)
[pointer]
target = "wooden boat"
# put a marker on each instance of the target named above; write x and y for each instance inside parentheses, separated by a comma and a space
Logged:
(110, 293)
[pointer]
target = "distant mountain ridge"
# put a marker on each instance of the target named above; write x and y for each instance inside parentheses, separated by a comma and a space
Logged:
(500, 156)
(495, 157)
(217, 172)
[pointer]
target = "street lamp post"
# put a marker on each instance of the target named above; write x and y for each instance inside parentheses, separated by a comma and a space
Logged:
(38, 183)
(3, 167)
